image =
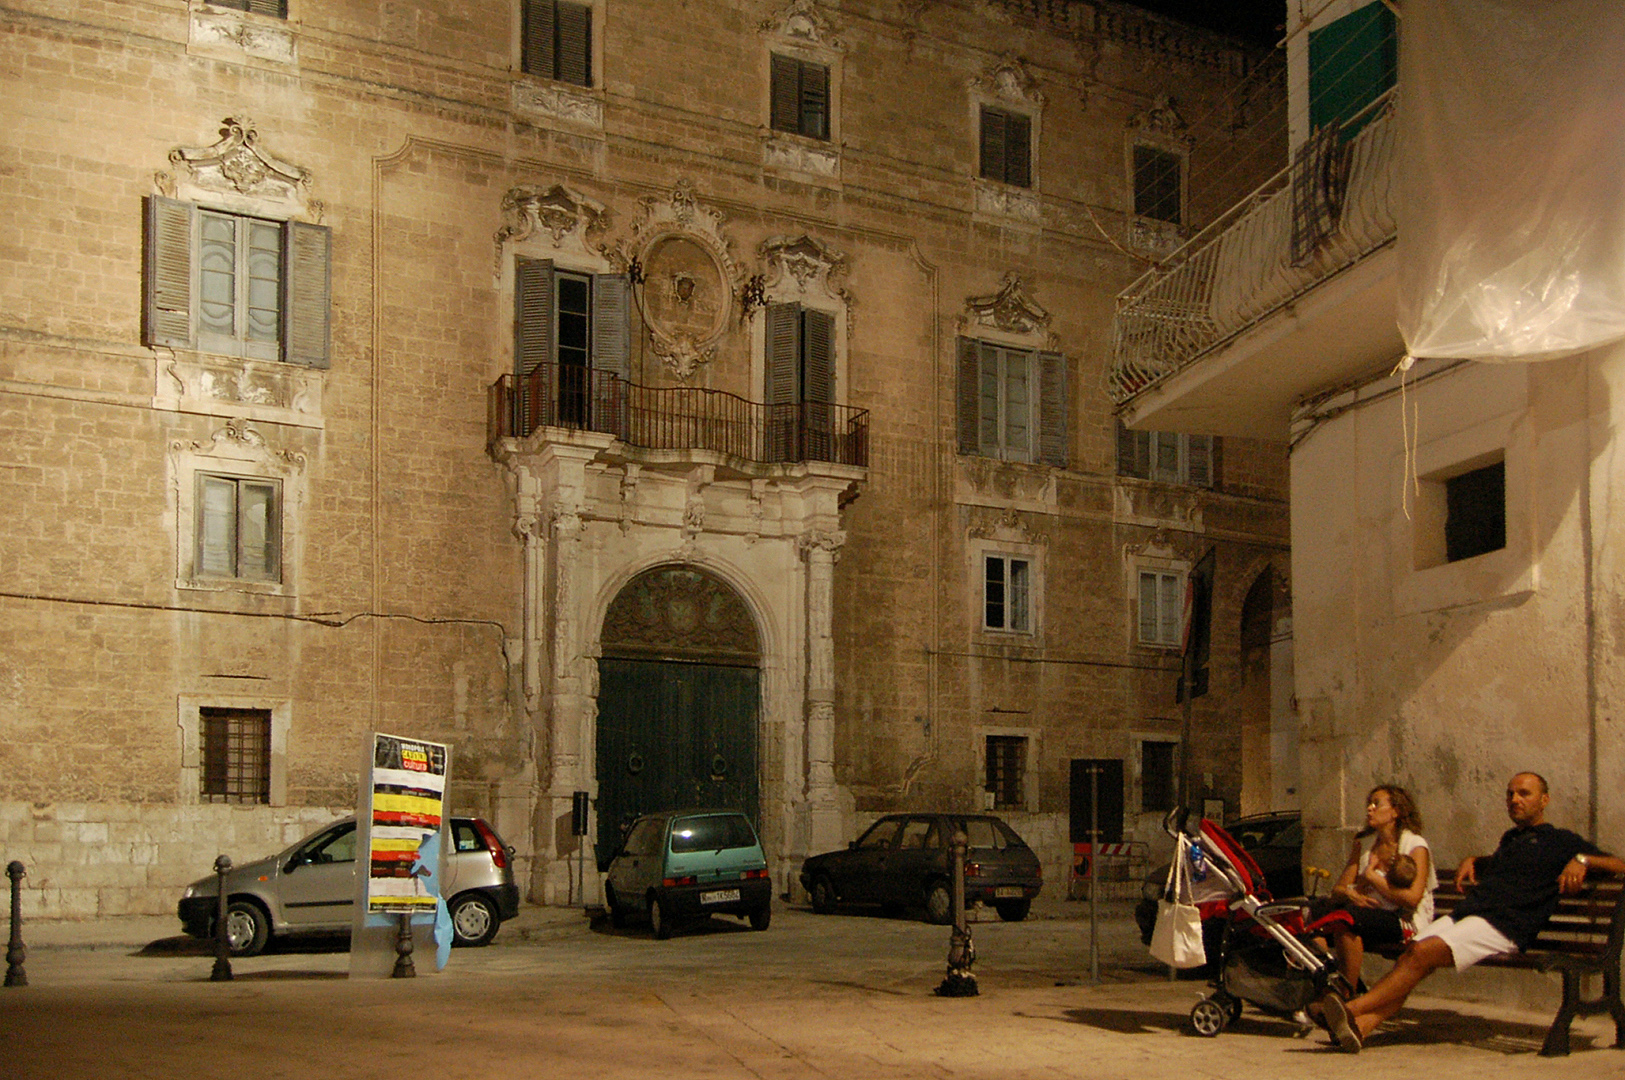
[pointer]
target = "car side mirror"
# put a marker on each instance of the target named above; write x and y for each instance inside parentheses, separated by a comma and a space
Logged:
(294, 864)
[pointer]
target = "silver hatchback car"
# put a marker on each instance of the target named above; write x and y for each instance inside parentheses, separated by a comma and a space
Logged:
(310, 888)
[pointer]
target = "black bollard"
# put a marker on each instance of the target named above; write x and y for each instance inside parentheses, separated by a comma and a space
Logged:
(222, 931)
(404, 968)
(959, 982)
(16, 953)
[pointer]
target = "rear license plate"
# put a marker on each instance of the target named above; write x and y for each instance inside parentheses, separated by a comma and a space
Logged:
(719, 896)
(1007, 892)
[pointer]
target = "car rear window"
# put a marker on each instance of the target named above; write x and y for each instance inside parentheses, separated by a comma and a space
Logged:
(714, 832)
(990, 834)
(465, 838)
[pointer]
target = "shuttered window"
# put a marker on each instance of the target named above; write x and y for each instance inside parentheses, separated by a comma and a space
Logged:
(236, 285)
(1166, 457)
(800, 97)
(1162, 604)
(1158, 184)
(239, 528)
(1006, 147)
(277, 9)
(1012, 403)
(1006, 594)
(558, 41)
(799, 383)
(571, 331)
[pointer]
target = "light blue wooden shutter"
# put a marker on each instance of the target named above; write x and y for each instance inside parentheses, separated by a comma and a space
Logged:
(307, 293)
(169, 274)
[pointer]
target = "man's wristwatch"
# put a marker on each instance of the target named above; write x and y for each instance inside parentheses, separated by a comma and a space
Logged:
(1582, 860)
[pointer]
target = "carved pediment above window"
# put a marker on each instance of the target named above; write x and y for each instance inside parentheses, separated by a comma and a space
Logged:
(238, 166)
(802, 22)
(1005, 527)
(1161, 118)
(684, 277)
(1008, 79)
(556, 215)
(802, 265)
(237, 441)
(1010, 310)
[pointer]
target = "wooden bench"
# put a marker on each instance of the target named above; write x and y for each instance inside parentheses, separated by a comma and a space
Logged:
(1583, 938)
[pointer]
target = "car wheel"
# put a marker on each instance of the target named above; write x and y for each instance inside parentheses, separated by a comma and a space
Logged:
(823, 895)
(939, 903)
(474, 919)
(760, 918)
(617, 913)
(247, 928)
(1013, 910)
(659, 918)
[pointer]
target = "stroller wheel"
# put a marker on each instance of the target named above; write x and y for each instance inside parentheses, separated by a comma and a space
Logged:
(1208, 1017)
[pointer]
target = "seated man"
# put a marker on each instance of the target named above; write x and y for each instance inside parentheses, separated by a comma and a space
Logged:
(1513, 893)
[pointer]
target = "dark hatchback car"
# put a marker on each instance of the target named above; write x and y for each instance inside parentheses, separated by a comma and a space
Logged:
(686, 865)
(902, 861)
(1275, 841)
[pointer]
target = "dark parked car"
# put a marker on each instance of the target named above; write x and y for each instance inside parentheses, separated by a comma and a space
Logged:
(310, 889)
(902, 861)
(1275, 841)
(686, 865)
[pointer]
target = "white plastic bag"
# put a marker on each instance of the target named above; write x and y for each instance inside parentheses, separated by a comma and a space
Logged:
(1177, 939)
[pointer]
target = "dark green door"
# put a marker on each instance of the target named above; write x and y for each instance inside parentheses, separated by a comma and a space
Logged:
(670, 735)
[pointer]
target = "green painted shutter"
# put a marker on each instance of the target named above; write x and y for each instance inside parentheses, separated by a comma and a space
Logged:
(1053, 442)
(786, 94)
(533, 314)
(1133, 452)
(815, 100)
(575, 43)
(169, 274)
(1018, 138)
(781, 386)
(1351, 62)
(1199, 463)
(992, 136)
(967, 395)
(307, 293)
(818, 358)
(538, 57)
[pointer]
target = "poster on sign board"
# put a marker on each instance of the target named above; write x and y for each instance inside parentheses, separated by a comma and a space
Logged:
(408, 799)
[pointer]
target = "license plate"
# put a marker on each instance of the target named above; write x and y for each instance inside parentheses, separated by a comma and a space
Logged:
(719, 896)
(1007, 892)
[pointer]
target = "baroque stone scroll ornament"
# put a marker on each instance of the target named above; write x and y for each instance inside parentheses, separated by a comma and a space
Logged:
(1012, 310)
(237, 164)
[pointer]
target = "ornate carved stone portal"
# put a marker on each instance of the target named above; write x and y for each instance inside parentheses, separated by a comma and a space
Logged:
(679, 612)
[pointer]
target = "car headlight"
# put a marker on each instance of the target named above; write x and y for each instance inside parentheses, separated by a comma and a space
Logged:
(191, 891)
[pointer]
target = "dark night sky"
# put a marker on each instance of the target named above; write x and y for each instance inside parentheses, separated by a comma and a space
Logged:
(1256, 20)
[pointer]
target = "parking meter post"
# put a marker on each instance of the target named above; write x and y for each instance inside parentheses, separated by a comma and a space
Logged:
(404, 968)
(1094, 873)
(959, 981)
(222, 931)
(16, 952)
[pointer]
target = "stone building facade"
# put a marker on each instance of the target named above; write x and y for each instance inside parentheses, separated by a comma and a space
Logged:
(691, 402)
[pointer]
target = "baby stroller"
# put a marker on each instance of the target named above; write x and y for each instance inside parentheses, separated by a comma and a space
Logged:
(1264, 955)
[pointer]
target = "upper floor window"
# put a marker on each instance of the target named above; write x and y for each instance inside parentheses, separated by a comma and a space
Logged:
(567, 325)
(1006, 594)
(800, 97)
(239, 528)
(1162, 606)
(1159, 183)
(1352, 61)
(557, 41)
(1006, 147)
(799, 371)
(236, 285)
(1165, 456)
(277, 9)
(1012, 403)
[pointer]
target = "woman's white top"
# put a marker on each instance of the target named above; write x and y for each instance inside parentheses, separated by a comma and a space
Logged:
(1408, 843)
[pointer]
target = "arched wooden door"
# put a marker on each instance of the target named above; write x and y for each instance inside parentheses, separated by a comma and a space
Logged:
(678, 699)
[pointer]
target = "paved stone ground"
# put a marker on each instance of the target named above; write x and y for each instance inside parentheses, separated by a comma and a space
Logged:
(815, 996)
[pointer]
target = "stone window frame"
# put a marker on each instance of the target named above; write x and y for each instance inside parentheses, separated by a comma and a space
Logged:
(1008, 87)
(538, 95)
(236, 450)
(189, 732)
(1137, 565)
(236, 35)
(1137, 740)
(1035, 553)
(799, 36)
(1175, 145)
(806, 272)
(1030, 769)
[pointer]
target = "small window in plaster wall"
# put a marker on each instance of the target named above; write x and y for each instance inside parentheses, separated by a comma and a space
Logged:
(1460, 513)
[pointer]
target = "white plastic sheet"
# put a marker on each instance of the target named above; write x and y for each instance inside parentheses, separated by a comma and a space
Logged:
(1512, 177)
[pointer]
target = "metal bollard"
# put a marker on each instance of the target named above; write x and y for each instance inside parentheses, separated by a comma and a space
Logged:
(16, 952)
(222, 932)
(959, 981)
(404, 968)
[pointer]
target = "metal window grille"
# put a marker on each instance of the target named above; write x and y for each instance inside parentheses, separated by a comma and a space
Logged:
(236, 755)
(1007, 771)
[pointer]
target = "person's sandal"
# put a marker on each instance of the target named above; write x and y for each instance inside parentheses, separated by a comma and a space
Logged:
(1340, 1024)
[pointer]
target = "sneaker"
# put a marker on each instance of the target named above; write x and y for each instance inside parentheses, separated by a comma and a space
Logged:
(1340, 1024)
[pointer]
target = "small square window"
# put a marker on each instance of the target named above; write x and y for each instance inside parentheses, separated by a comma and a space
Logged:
(557, 41)
(1007, 771)
(1158, 184)
(1006, 594)
(1475, 519)
(1162, 605)
(800, 97)
(1006, 147)
(239, 528)
(236, 746)
(1157, 777)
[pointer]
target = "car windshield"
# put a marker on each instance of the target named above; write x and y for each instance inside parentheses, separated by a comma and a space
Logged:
(713, 832)
(1268, 832)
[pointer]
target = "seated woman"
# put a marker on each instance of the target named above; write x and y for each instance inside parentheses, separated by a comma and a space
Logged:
(1386, 903)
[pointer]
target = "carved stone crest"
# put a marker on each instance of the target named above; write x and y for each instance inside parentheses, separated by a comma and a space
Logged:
(1009, 80)
(1010, 309)
(801, 21)
(804, 260)
(238, 165)
(238, 440)
(685, 278)
(1160, 117)
(556, 210)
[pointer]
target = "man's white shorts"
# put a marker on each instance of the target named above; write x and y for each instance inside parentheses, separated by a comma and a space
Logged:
(1470, 940)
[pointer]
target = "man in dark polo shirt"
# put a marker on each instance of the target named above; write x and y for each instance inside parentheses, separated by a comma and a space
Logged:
(1509, 897)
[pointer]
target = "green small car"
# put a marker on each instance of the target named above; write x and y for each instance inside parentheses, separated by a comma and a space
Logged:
(684, 865)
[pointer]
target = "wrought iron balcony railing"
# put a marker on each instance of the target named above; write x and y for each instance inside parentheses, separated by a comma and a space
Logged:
(676, 418)
(1331, 208)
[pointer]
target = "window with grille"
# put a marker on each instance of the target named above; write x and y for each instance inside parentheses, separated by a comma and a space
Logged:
(1012, 403)
(1166, 457)
(236, 285)
(1007, 771)
(800, 96)
(236, 747)
(1157, 776)
(1006, 590)
(1162, 605)
(1158, 184)
(239, 528)
(557, 41)
(1006, 147)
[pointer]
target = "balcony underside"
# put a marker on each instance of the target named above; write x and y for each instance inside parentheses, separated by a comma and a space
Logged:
(1340, 331)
